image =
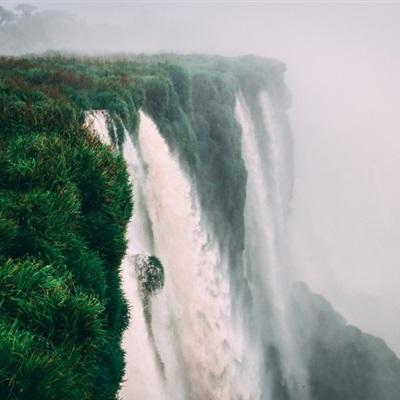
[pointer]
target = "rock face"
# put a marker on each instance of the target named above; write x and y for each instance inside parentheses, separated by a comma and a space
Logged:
(344, 363)
(150, 273)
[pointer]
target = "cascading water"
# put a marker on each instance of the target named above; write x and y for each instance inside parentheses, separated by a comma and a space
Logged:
(97, 121)
(187, 343)
(204, 266)
(136, 340)
(142, 377)
(196, 296)
(265, 263)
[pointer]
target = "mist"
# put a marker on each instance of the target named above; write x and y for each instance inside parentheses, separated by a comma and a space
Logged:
(342, 70)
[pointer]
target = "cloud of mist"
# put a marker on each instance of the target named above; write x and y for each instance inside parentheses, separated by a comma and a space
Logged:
(343, 71)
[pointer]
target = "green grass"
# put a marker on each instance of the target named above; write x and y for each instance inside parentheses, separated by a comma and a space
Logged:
(65, 201)
(64, 204)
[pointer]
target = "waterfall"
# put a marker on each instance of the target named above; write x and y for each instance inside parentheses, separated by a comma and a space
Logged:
(142, 377)
(97, 122)
(195, 305)
(265, 255)
(187, 343)
(191, 349)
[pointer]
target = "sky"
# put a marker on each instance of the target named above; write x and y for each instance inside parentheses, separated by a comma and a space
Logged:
(343, 63)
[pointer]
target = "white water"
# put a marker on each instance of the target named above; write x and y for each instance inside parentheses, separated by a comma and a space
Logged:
(193, 348)
(264, 256)
(294, 366)
(196, 293)
(201, 352)
(142, 377)
(97, 122)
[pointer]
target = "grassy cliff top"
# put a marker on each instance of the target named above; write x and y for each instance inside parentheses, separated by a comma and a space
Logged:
(65, 200)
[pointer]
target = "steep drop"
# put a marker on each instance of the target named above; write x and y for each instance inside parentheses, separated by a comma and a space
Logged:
(264, 261)
(227, 324)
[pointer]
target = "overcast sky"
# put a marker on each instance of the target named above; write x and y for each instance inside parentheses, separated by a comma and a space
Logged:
(343, 71)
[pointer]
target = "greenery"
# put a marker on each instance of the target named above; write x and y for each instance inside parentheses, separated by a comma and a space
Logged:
(65, 202)
(192, 100)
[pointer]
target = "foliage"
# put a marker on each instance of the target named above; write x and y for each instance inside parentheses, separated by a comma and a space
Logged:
(65, 202)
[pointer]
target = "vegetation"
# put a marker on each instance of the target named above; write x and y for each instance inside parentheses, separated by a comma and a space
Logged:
(191, 99)
(65, 202)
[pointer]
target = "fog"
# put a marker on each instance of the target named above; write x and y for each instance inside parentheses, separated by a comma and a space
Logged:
(343, 62)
